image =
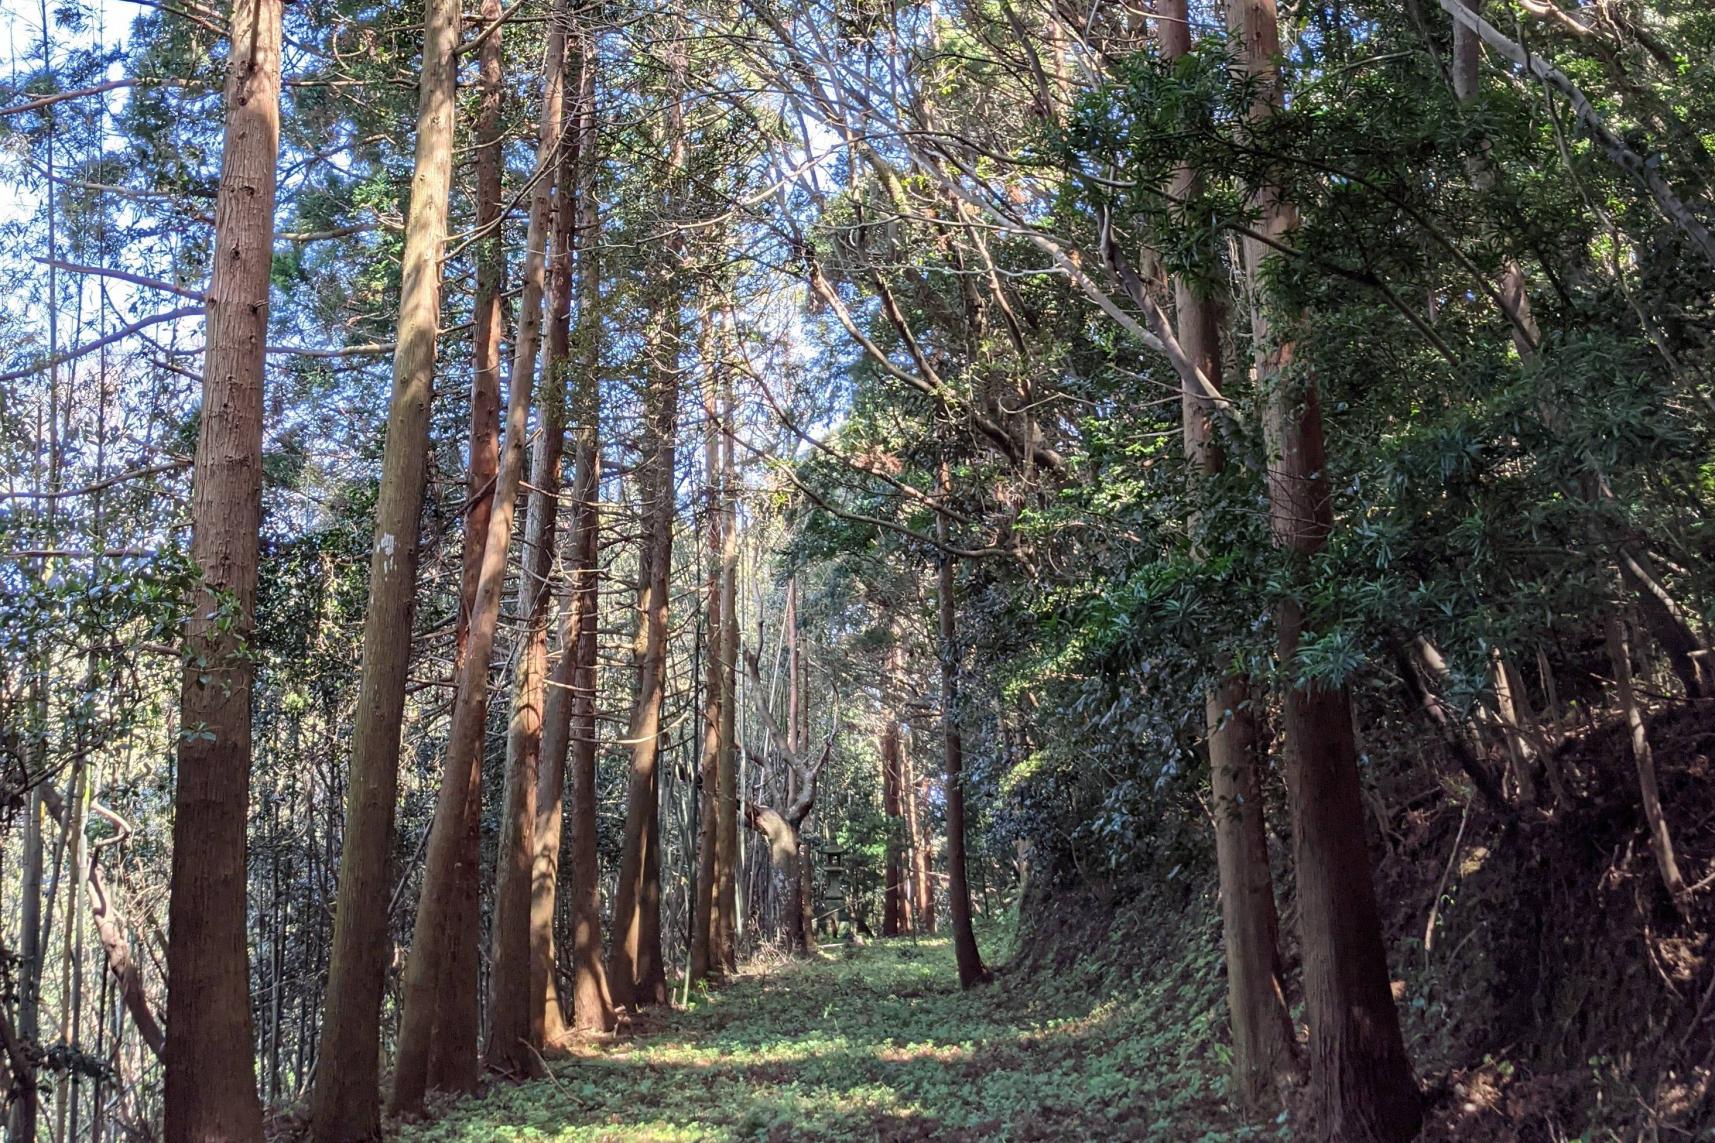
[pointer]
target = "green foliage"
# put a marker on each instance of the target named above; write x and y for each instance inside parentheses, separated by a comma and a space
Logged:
(879, 1040)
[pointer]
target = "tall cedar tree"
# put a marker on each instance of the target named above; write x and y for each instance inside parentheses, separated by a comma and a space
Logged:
(1264, 1047)
(518, 979)
(1361, 1083)
(211, 1078)
(970, 961)
(800, 915)
(428, 959)
(346, 1104)
(896, 905)
(592, 1004)
(458, 1010)
(923, 896)
(636, 968)
(703, 920)
(725, 937)
(548, 1026)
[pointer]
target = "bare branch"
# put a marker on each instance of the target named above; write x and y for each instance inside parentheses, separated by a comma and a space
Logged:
(117, 335)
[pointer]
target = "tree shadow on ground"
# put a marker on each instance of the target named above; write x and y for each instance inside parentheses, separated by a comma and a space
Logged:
(875, 1044)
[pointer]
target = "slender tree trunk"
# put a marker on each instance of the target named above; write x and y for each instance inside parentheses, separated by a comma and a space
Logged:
(636, 966)
(1361, 1082)
(1667, 621)
(1265, 1056)
(636, 971)
(1660, 839)
(703, 916)
(922, 892)
(210, 1068)
(25, 1109)
(1264, 1047)
(518, 981)
(652, 957)
(548, 1024)
(798, 736)
(592, 1006)
(20, 1071)
(971, 970)
(893, 912)
(1425, 657)
(1515, 298)
(806, 920)
(110, 929)
(71, 958)
(725, 950)
(428, 960)
(346, 1102)
(452, 1052)
(21, 1123)
(636, 963)
(550, 819)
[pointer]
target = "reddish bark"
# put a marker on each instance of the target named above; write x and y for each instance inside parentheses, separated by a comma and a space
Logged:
(725, 949)
(1361, 1082)
(592, 1006)
(636, 970)
(210, 1075)
(547, 1023)
(452, 1053)
(703, 919)
(429, 960)
(1264, 1046)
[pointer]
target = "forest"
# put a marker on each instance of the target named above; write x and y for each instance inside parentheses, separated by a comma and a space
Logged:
(857, 570)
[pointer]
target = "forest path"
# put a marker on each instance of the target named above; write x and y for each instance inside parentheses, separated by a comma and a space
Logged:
(875, 1043)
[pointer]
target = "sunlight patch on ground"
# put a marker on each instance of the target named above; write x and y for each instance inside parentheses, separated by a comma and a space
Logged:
(878, 1043)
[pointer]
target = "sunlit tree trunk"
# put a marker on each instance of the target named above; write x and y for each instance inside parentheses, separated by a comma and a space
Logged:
(548, 1025)
(592, 1006)
(210, 1071)
(520, 977)
(804, 924)
(1361, 1082)
(21, 1121)
(922, 893)
(346, 1101)
(636, 970)
(428, 958)
(725, 945)
(703, 916)
(452, 1051)
(636, 965)
(1264, 1046)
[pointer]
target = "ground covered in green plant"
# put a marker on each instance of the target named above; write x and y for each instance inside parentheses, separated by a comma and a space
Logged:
(876, 1043)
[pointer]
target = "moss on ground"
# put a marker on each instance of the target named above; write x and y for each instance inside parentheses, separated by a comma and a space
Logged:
(879, 1043)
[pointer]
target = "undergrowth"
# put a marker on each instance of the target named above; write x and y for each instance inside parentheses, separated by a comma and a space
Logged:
(878, 1042)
